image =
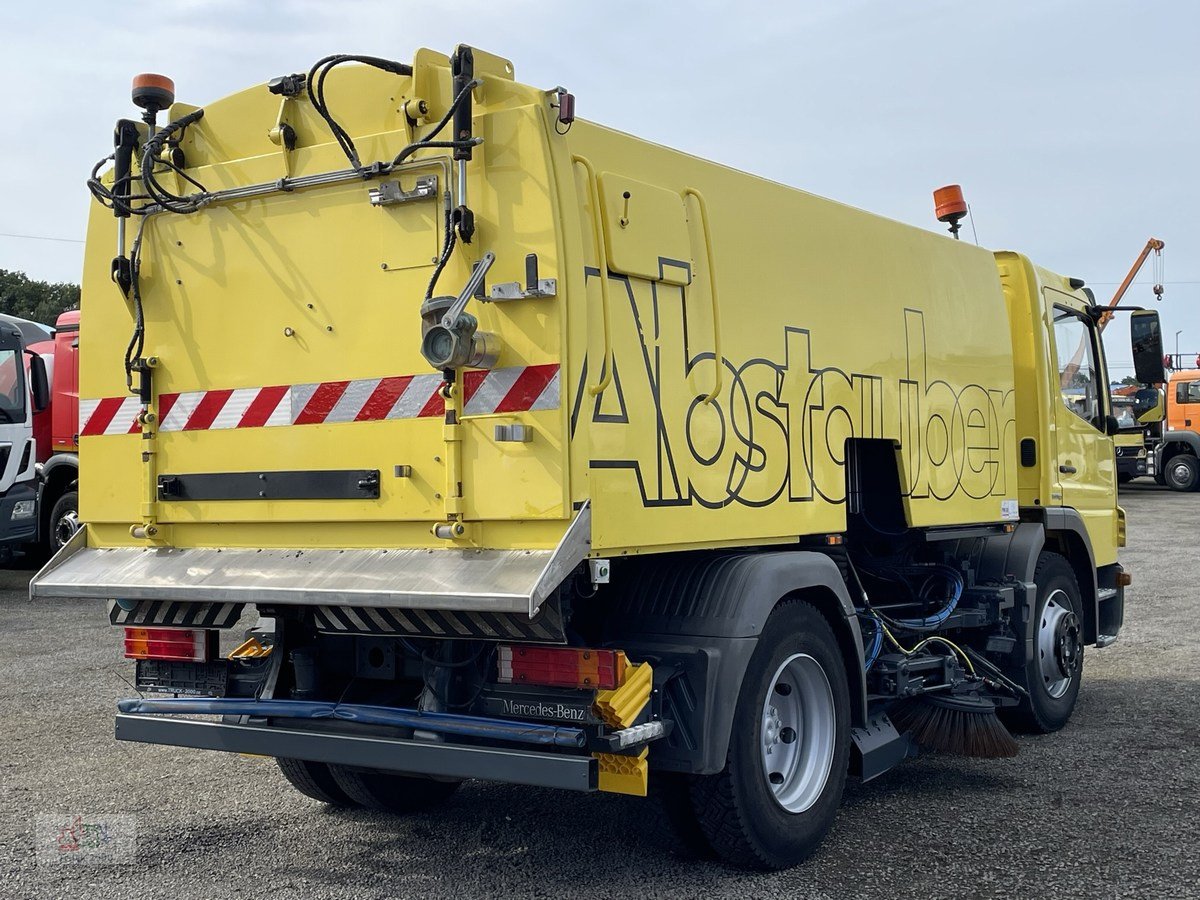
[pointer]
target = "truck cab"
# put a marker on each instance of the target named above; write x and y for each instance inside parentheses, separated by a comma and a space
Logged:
(23, 390)
(1177, 455)
(1130, 439)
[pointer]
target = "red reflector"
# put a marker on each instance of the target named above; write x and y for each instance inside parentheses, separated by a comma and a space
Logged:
(568, 667)
(166, 643)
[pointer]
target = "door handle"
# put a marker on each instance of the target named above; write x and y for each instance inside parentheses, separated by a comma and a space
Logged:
(1067, 470)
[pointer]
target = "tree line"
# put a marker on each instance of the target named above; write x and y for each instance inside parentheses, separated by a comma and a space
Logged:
(39, 301)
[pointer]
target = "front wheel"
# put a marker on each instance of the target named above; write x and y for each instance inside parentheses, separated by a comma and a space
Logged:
(782, 783)
(63, 521)
(1053, 674)
(1182, 473)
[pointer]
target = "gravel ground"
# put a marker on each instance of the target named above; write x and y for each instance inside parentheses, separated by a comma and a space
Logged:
(1106, 808)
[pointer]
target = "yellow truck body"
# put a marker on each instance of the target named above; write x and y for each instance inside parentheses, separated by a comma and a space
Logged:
(843, 324)
(702, 406)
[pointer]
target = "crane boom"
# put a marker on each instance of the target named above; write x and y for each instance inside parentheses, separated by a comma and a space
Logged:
(1155, 246)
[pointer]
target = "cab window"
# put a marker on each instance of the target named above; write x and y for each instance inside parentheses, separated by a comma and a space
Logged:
(12, 387)
(1187, 392)
(1078, 373)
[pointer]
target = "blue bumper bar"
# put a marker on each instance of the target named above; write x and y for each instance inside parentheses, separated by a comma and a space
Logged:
(439, 723)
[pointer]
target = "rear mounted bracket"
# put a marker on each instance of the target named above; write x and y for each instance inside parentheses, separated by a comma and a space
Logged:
(390, 193)
(536, 287)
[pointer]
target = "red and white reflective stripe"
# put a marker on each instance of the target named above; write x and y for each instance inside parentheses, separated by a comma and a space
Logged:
(516, 389)
(113, 415)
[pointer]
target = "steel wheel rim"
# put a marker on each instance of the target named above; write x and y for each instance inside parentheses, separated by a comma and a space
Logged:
(1058, 644)
(65, 527)
(797, 734)
(1182, 473)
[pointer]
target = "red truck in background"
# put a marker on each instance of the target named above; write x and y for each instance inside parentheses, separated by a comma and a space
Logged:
(55, 433)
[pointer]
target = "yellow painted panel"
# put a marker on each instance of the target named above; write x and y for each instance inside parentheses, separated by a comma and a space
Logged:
(645, 230)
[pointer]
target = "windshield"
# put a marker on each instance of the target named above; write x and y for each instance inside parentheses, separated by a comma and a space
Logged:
(1122, 409)
(12, 387)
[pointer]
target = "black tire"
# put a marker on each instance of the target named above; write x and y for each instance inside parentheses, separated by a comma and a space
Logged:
(675, 822)
(388, 792)
(58, 530)
(313, 779)
(1182, 473)
(1124, 478)
(736, 809)
(1042, 712)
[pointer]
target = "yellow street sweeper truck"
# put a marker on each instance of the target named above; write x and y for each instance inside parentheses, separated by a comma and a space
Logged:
(548, 455)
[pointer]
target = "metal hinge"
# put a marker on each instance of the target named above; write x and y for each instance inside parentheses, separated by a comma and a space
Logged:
(515, 433)
(390, 193)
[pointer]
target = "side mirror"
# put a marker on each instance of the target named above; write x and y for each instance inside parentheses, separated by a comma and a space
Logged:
(39, 384)
(1145, 338)
(1111, 426)
(1149, 406)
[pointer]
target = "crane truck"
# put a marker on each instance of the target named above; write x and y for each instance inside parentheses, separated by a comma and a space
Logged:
(548, 455)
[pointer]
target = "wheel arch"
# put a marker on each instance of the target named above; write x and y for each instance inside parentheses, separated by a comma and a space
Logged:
(698, 616)
(59, 473)
(1174, 443)
(1067, 536)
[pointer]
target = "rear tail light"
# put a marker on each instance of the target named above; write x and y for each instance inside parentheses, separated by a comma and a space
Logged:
(568, 667)
(168, 643)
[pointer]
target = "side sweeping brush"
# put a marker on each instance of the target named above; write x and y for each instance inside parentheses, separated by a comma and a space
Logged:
(966, 725)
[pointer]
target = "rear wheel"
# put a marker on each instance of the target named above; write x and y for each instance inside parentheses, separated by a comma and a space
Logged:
(389, 792)
(1182, 473)
(786, 767)
(313, 779)
(1053, 675)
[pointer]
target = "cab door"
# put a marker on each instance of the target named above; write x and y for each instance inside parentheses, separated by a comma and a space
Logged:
(1085, 476)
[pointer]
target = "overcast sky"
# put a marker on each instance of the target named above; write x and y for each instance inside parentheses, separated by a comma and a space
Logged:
(1072, 125)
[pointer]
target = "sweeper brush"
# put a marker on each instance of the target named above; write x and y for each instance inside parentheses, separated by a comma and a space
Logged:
(964, 725)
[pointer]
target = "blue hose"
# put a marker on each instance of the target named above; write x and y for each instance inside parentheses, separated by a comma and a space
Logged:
(442, 723)
(876, 643)
(933, 621)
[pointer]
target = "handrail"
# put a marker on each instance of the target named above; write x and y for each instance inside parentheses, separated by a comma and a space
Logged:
(602, 263)
(718, 360)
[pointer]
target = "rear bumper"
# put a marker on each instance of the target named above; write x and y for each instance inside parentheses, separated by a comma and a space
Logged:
(1133, 466)
(515, 581)
(553, 770)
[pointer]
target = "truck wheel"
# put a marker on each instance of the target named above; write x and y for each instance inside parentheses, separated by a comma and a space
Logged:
(783, 778)
(63, 522)
(313, 779)
(1182, 473)
(1053, 675)
(389, 792)
(673, 819)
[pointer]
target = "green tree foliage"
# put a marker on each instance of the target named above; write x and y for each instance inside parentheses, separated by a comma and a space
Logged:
(39, 301)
